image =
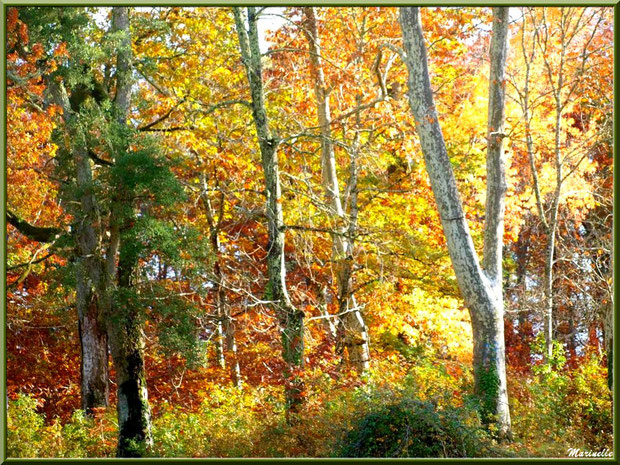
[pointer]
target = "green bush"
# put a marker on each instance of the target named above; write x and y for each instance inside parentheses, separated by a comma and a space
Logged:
(24, 428)
(558, 408)
(413, 428)
(28, 434)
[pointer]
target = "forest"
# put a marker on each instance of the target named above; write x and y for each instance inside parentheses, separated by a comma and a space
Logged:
(309, 232)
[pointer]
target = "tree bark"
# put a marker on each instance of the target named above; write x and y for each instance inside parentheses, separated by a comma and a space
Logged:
(352, 327)
(125, 324)
(127, 347)
(291, 319)
(89, 266)
(94, 371)
(481, 286)
(608, 332)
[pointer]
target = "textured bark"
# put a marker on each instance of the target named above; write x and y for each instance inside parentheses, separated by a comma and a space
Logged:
(127, 347)
(291, 319)
(89, 270)
(134, 415)
(481, 287)
(608, 325)
(94, 371)
(353, 333)
(125, 327)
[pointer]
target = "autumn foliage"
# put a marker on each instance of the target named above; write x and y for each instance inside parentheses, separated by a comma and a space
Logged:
(213, 344)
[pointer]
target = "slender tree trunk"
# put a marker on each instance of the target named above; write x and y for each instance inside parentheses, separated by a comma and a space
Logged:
(226, 343)
(608, 333)
(126, 329)
(481, 286)
(231, 349)
(608, 325)
(548, 282)
(552, 229)
(291, 319)
(219, 340)
(353, 329)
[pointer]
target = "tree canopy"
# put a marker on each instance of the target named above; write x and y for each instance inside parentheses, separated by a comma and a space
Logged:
(309, 231)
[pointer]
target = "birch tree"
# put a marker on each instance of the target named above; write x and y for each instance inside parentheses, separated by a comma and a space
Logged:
(480, 283)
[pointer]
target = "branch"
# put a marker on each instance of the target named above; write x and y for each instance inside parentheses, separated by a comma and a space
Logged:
(172, 129)
(211, 108)
(163, 117)
(313, 229)
(36, 233)
(98, 160)
(31, 262)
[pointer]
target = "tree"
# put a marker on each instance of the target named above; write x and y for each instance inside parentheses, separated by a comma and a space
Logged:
(353, 331)
(481, 286)
(123, 314)
(89, 271)
(116, 184)
(291, 319)
(189, 85)
(561, 45)
(99, 275)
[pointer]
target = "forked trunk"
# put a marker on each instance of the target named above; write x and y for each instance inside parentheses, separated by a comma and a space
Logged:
(481, 286)
(352, 329)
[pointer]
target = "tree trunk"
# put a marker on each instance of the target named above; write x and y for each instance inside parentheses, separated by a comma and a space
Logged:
(231, 349)
(481, 287)
(226, 343)
(353, 329)
(93, 348)
(548, 282)
(127, 347)
(608, 339)
(291, 319)
(354, 334)
(125, 328)
(92, 332)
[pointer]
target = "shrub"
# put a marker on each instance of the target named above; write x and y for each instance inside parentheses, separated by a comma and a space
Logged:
(557, 409)
(28, 435)
(24, 428)
(413, 428)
